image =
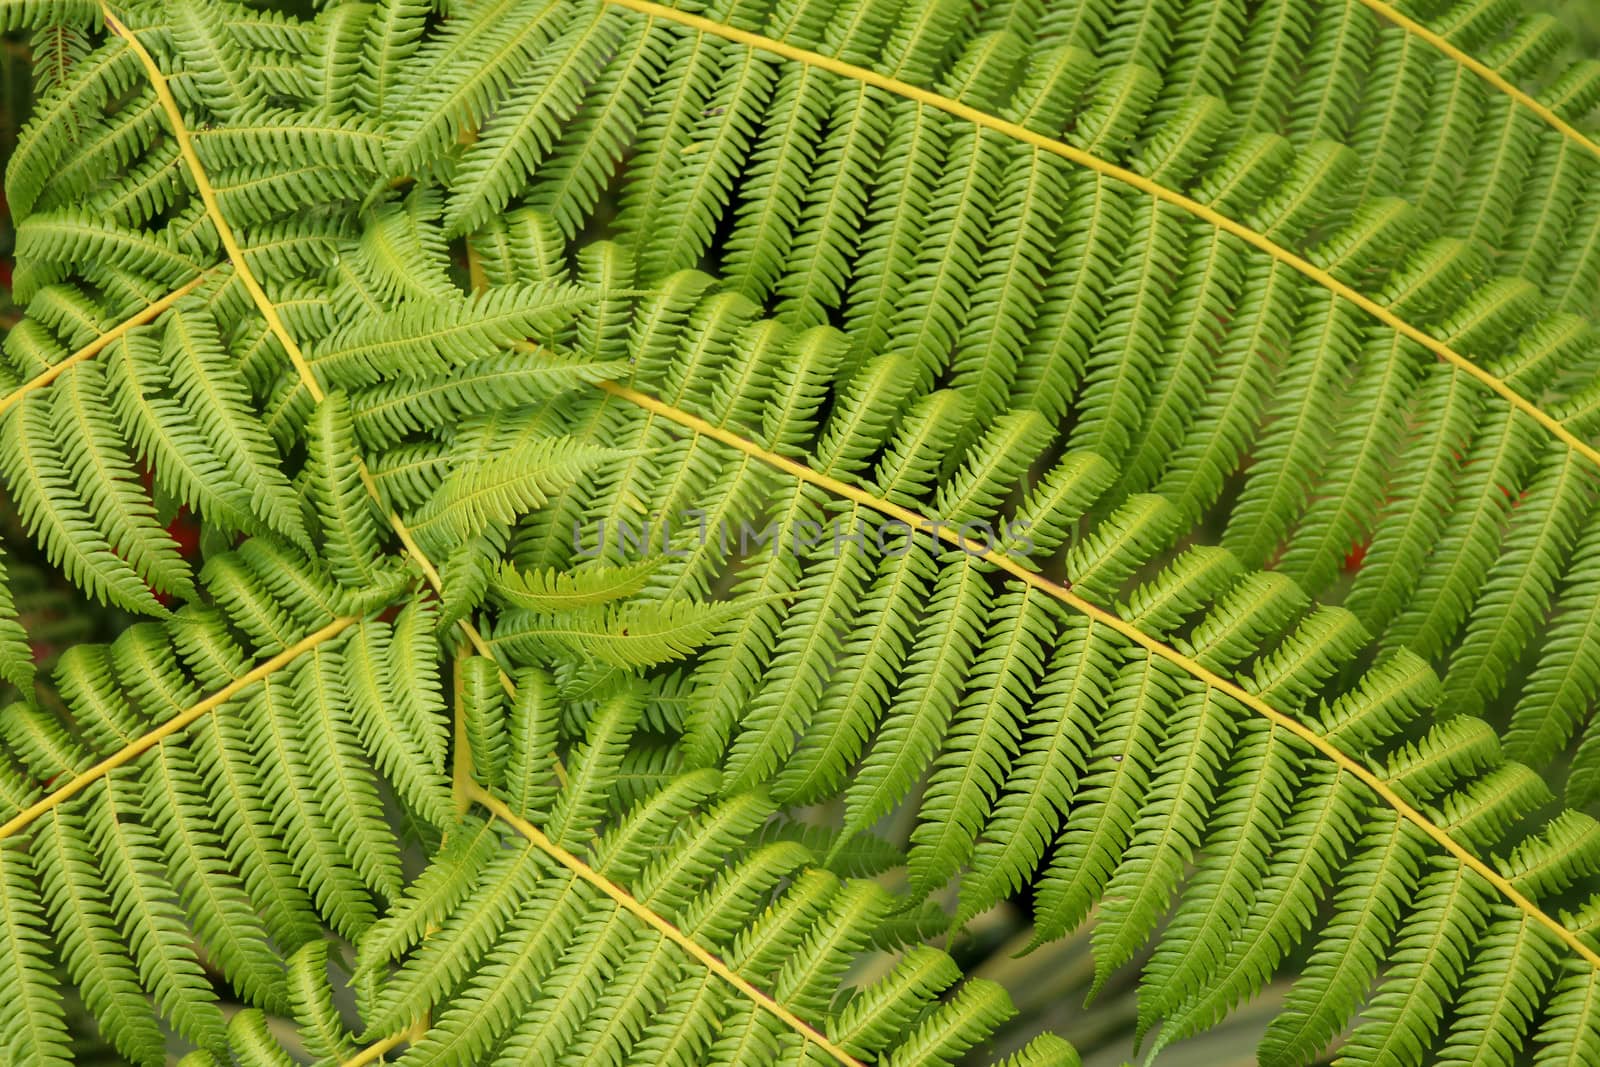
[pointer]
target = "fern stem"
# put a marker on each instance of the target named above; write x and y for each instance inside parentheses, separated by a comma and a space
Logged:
(144, 743)
(99, 344)
(1484, 71)
(460, 750)
(628, 903)
(1260, 241)
(378, 1049)
(475, 273)
(1156, 647)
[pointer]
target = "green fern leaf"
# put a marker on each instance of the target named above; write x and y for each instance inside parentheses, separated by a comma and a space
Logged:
(1108, 477)
(32, 1019)
(498, 488)
(37, 472)
(16, 662)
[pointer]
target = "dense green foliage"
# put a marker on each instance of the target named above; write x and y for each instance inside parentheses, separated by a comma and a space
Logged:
(557, 385)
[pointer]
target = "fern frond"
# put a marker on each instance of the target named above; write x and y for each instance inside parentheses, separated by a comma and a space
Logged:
(76, 237)
(394, 717)
(510, 148)
(637, 634)
(553, 591)
(463, 70)
(126, 855)
(224, 914)
(1115, 452)
(33, 1022)
(497, 489)
(385, 413)
(209, 386)
(94, 947)
(350, 533)
(567, 928)
(16, 661)
(38, 474)
(1289, 674)
(107, 72)
(420, 338)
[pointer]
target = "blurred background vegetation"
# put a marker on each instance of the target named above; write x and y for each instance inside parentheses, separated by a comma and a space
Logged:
(1582, 17)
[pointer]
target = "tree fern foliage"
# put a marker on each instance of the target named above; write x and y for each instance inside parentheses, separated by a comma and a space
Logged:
(700, 505)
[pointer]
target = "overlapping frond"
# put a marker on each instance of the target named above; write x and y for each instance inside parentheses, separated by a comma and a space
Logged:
(1144, 453)
(1197, 353)
(723, 950)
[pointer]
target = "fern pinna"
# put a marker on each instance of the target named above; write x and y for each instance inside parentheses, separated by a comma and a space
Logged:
(701, 504)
